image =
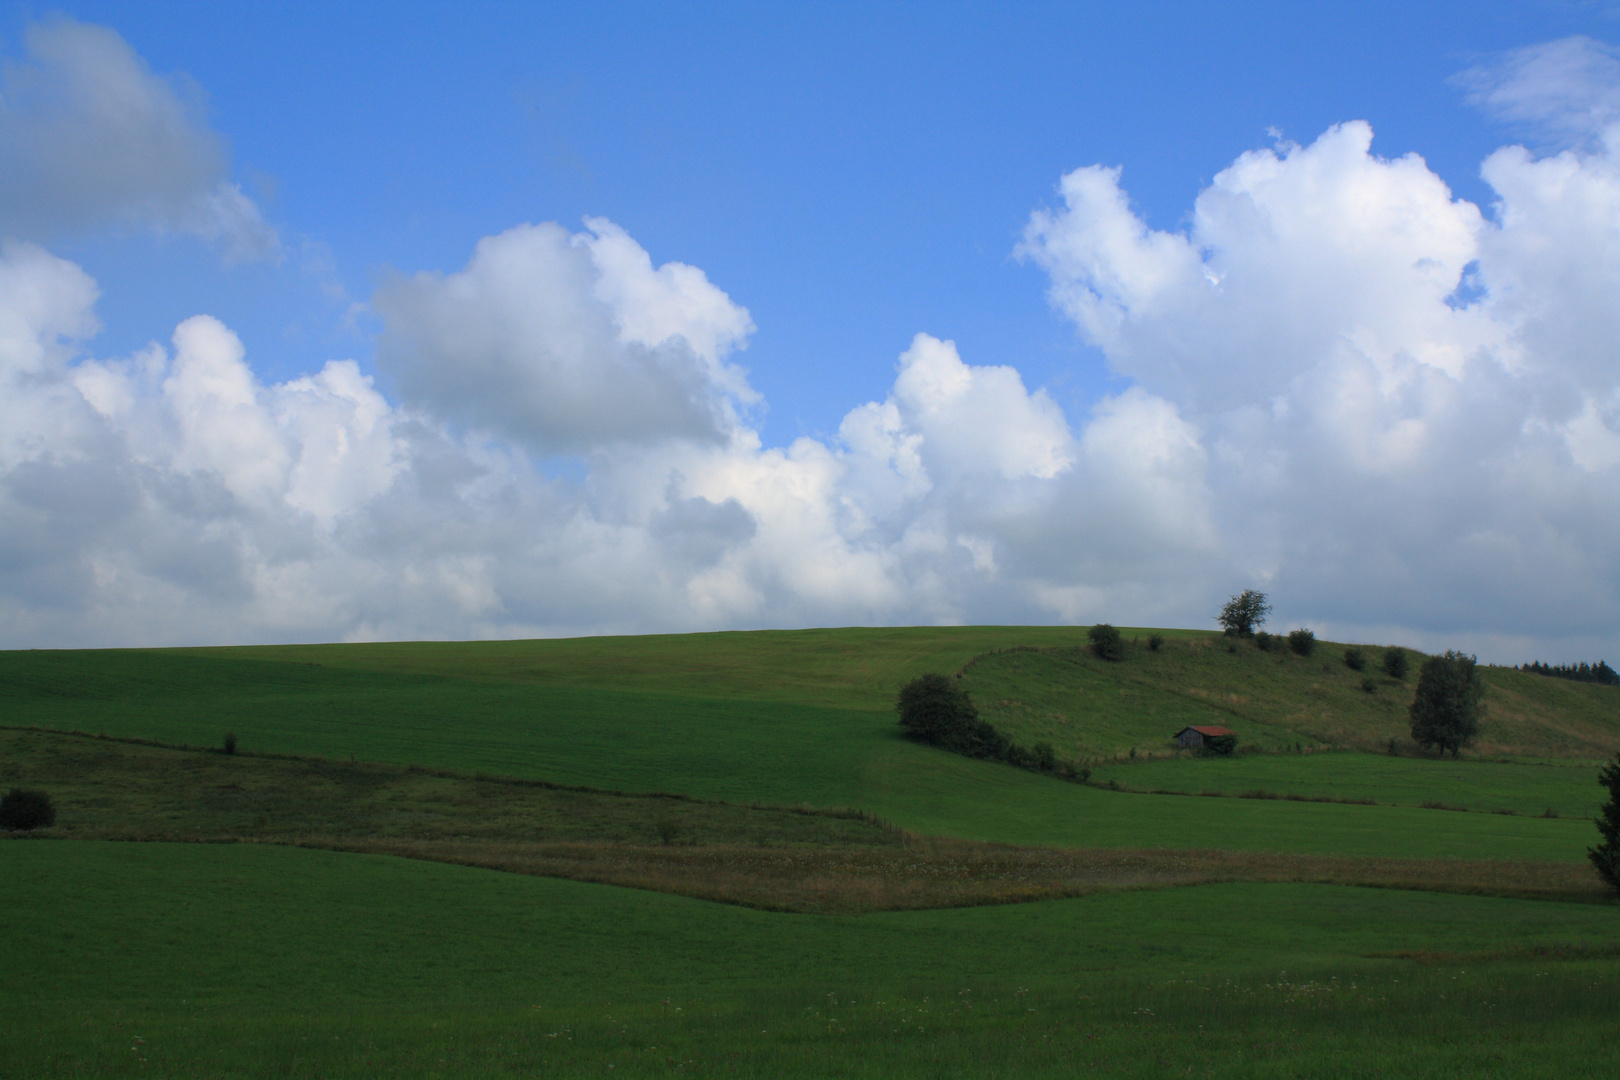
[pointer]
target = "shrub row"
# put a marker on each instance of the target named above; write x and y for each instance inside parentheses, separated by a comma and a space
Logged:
(934, 710)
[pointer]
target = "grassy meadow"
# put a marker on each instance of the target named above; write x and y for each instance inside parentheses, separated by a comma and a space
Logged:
(714, 854)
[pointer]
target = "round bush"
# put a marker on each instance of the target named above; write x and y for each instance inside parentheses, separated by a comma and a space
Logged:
(1302, 641)
(1355, 659)
(1107, 642)
(937, 711)
(22, 810)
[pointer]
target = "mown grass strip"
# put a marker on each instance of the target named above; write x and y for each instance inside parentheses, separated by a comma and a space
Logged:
(773, 858)
(139, 789)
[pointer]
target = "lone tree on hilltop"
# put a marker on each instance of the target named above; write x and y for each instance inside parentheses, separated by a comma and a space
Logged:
(938, 712)
(1606, 856)
(1445, 712)
(1244, 613)
(1106, 641)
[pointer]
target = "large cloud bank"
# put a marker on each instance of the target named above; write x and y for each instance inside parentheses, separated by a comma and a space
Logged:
(1397, 413)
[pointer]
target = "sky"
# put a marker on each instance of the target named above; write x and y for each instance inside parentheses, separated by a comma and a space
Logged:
(418, 321)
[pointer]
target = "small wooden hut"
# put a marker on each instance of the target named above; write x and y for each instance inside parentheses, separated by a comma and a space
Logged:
(1192, 738)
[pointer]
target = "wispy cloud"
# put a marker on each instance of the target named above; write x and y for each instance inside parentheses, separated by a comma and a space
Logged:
(90, 137)
(1566, 91)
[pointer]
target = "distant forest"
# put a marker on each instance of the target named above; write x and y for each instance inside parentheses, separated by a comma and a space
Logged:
(1582, 672)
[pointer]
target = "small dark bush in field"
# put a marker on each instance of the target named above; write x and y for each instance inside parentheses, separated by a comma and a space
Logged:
(668, 829)
(1369, 684)
(1155, 642)
(230, 742)
(22, 810)
(1355, 659)
(1070, 771)
(936, 711)
(1266, 642)
(1106, 642)
(1606, 856)
(1220, 745)
(1395, 663)
(1244, 613)
(1045, 757)
(1550, 812)
(1302, 641)
(1445, 710)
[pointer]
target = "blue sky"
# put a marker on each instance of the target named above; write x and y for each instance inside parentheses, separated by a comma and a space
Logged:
(852, 175)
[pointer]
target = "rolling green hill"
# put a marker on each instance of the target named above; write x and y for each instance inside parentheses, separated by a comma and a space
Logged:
(805, 717)
(246, 957)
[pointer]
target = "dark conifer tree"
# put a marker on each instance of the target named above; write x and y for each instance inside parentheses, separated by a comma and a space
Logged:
(1606, 856)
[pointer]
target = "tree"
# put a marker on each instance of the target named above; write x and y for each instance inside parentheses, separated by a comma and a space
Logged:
(1244, 613)
(1606, 856)
(1302, 641)
(23, 810)
(1106, 641)
(1395, 662)
(1445, 712)
(938, 712)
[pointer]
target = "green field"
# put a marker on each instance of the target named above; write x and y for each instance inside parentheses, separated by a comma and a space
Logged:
(1529, 788)
(254, 958)
(243, 960)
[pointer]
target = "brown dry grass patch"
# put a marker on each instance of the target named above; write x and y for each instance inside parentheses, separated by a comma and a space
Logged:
(936, 873)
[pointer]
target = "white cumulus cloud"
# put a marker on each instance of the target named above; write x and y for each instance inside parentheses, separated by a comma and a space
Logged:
(564, 342)
(1408, 405)
(1396, 412)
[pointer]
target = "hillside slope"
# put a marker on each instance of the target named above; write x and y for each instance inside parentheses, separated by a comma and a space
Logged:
(1091, 708)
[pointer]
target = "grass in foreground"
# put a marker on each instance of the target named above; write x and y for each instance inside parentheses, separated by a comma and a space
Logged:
(205, 960)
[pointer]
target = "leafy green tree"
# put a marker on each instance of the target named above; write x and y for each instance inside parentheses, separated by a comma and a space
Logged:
(1606, 856)
(1445, 711)
(938, 712)
(1244, 613)
(1302, 641)
(1395, 662)
(1106, 641)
